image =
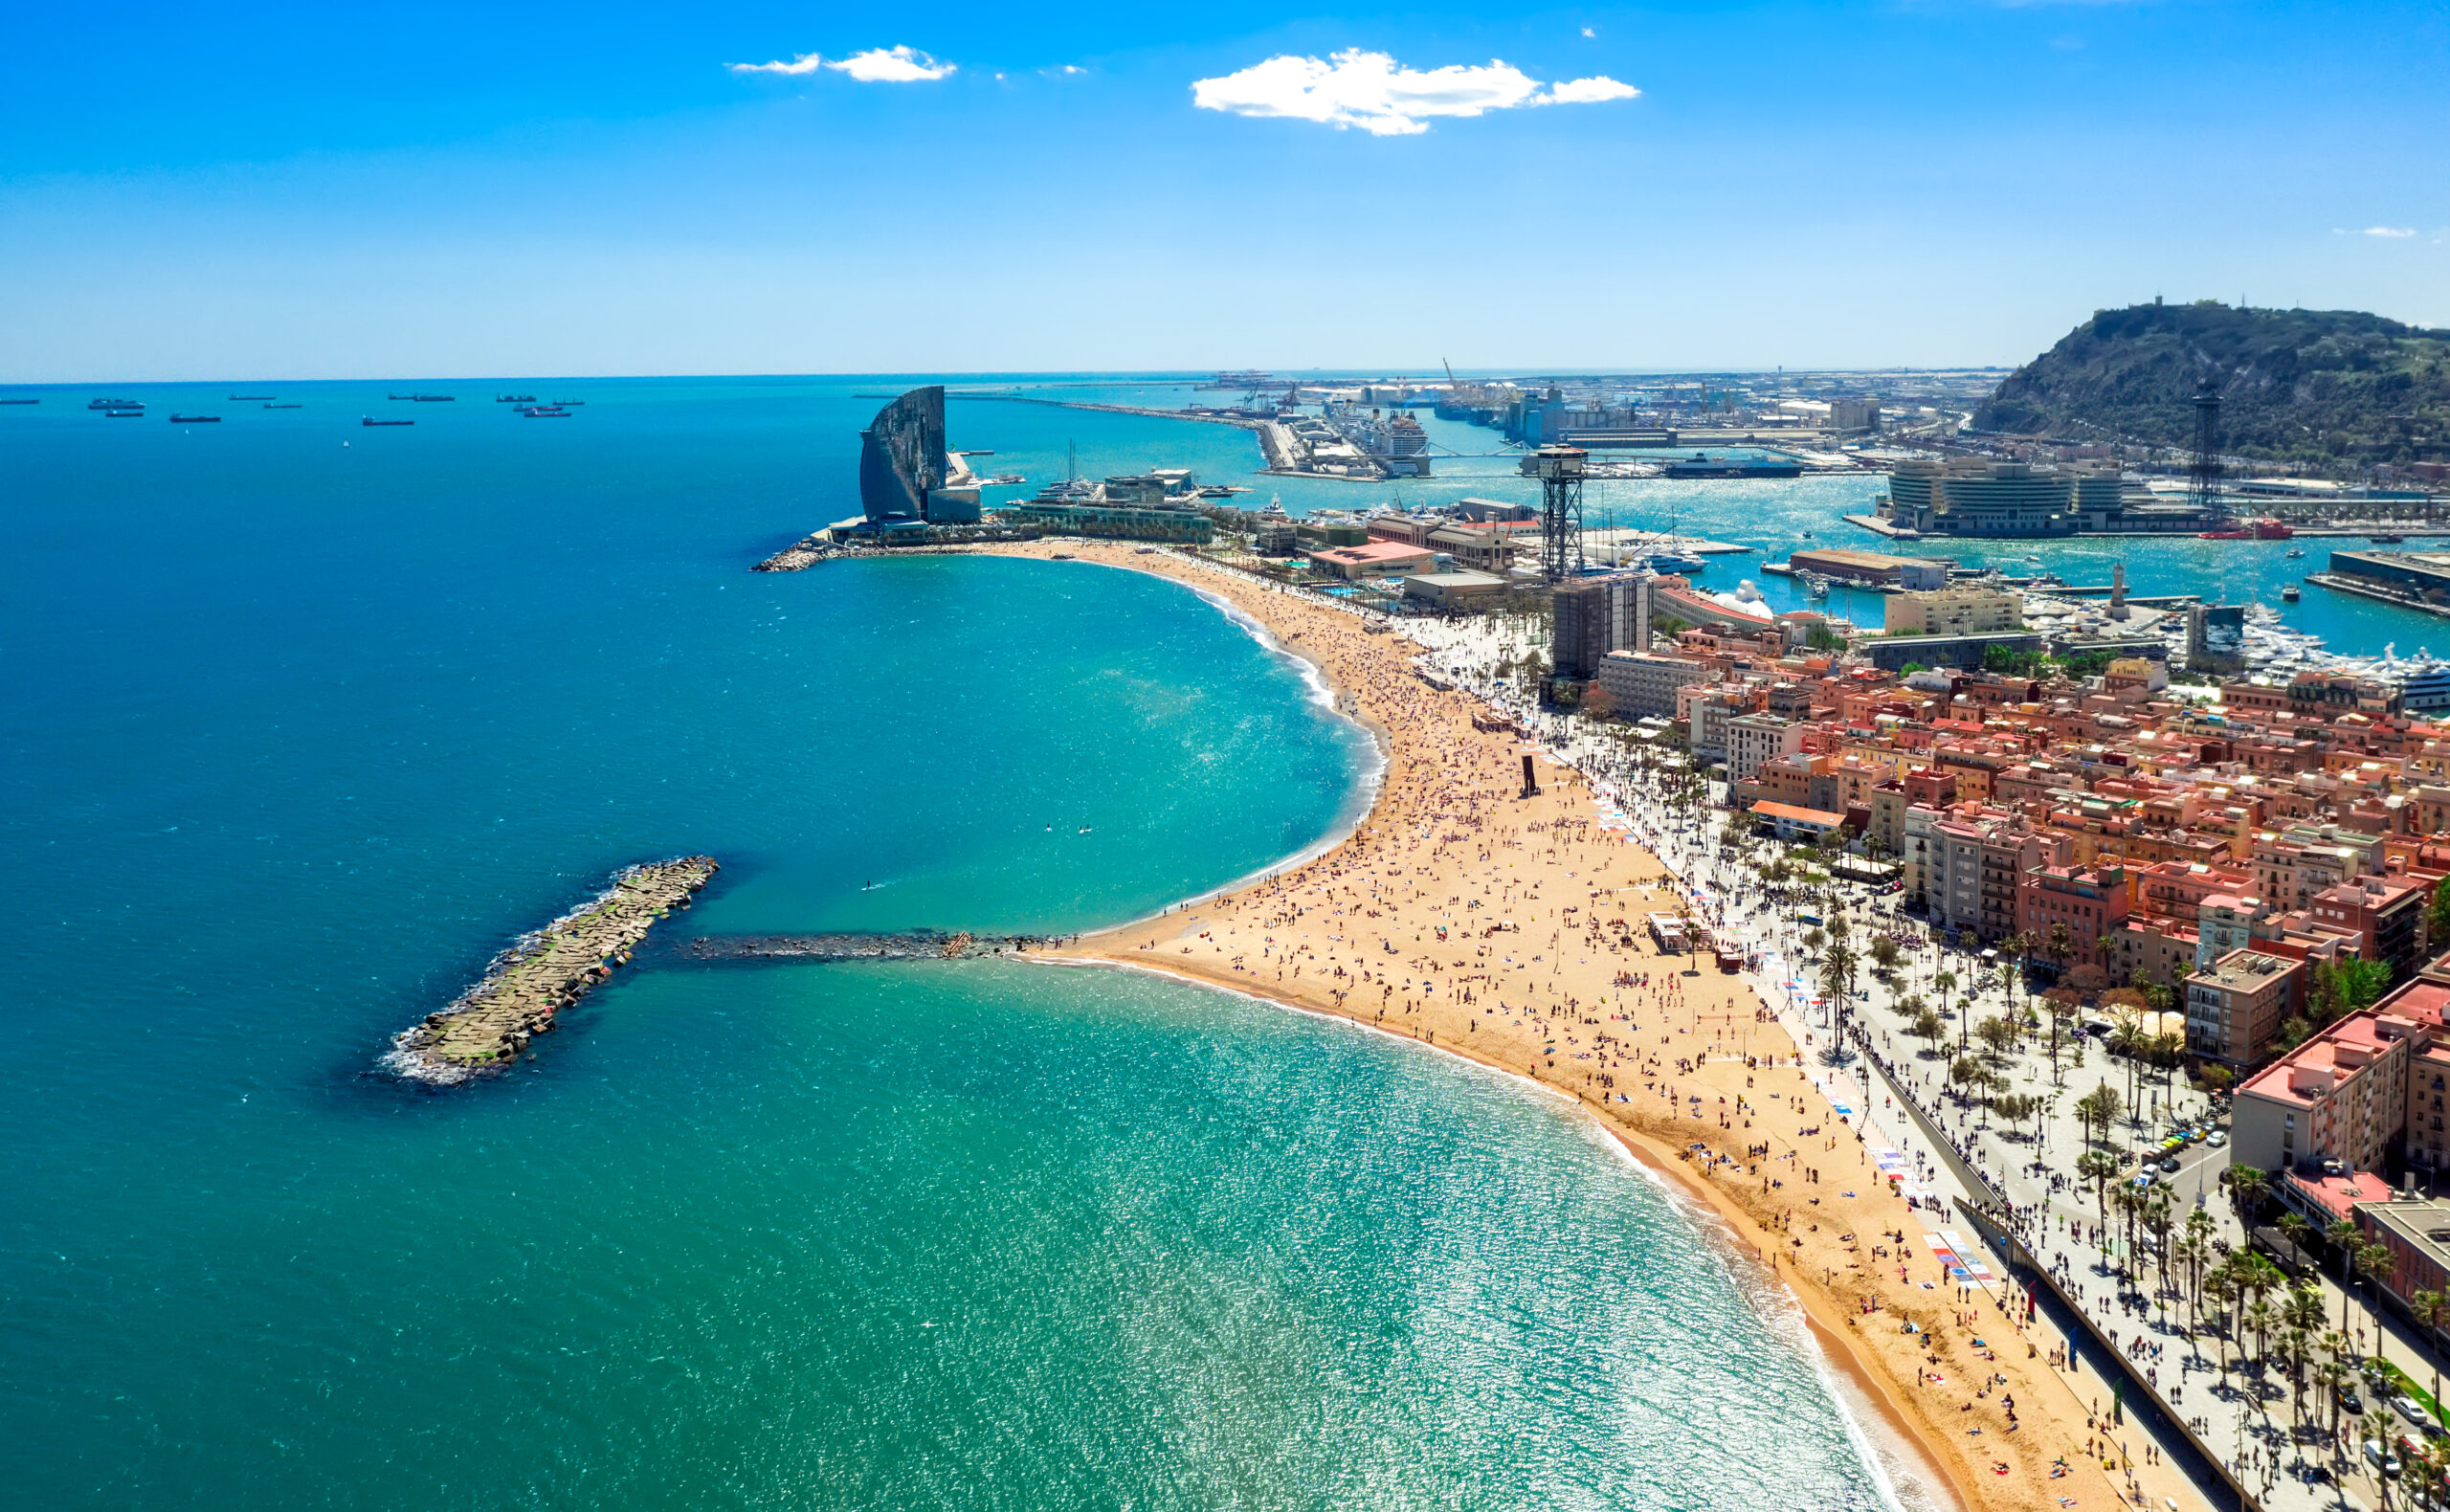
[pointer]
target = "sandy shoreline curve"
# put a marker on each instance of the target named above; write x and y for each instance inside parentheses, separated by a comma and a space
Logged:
(1508, 932)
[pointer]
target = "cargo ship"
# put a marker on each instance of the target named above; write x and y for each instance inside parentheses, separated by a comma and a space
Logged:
(196, 419)
(514, 398)
(370, 420)
(115, 404)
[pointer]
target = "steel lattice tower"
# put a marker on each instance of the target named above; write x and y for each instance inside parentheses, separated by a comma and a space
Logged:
(1560, 470)
(2205, 469)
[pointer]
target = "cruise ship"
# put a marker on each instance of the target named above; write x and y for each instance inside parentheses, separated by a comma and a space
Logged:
(1700, 465)
(1396, 441)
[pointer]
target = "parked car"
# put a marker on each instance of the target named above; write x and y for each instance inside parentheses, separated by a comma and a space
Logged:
(2217, 1138)
(2406, 1407)
(2351, 1403)
(2380, 1458)
(2170, 1167)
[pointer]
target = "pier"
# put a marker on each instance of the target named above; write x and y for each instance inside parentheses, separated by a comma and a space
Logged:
(486, 1027)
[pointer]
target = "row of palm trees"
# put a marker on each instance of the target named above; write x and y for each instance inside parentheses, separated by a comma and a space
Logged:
(2272, 1325)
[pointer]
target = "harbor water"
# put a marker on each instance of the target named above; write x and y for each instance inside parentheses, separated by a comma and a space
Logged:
(310, 719)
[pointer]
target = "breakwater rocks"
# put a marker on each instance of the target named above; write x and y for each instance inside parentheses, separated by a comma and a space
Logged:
(918, 944)
(803, 553)
(484, 1028)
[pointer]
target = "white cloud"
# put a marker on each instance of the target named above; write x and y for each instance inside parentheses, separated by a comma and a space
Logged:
(1373, 91)
(2391, 232)
(805, 63)
(1593, 91)
(878, 65)
(1588, 31)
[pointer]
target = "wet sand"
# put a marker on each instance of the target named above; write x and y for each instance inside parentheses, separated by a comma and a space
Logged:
(1510, 930)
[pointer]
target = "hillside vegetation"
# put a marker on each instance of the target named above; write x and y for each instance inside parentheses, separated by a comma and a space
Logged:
(2317, 386)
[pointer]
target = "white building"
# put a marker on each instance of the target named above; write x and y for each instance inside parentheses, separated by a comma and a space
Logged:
(1645, 682)
(1752, 739)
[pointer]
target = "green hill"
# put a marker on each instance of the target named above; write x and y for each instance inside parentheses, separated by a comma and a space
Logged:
(2335, 385)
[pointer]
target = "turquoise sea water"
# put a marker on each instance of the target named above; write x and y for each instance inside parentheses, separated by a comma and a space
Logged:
(306, 721)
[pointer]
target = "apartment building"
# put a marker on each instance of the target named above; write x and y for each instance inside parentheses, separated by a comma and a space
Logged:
(1954, 612)
(2234, 1011)
(1645, 682)
(2341, 1095)
(2091, 903)
(1752, 739)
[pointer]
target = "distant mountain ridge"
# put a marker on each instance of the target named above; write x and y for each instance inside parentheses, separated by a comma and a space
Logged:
(2338, 386)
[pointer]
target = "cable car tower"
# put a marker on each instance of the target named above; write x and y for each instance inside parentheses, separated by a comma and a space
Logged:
(1560, 469)
(2205, 469)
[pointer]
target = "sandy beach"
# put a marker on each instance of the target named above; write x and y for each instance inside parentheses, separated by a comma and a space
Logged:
(1510, 930)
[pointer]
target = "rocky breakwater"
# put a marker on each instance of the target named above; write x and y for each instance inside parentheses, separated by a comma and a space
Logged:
(917, 944)
(484, 1028)
(803, 553)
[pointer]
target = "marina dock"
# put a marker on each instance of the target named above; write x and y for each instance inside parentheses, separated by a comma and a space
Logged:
(485, 1028)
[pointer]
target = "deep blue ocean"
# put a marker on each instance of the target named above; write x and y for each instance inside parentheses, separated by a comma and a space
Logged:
(306, 721)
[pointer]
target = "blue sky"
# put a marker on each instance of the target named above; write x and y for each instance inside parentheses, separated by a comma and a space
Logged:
(394, 190)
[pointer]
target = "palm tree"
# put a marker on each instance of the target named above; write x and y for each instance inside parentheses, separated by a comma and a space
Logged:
(1945, 983)
(2100, 1168)
(2345, 1236)
(2061, 1010)
(2157, 1223)
(2297, 1231)
(2129, 1039)
(2374, 1261)
(2218, 1288)
(2293, 1344)
(2100, 1107)
(2430, 1310)
(2330, 1375)
(2060, 946)
(2126, 1202)
(2247, 1188)
(2016, 947)
(2304, 1305)
(2257, 1319)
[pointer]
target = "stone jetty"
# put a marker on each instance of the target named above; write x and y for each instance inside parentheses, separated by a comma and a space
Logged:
(917, 944)
(806, 552)
(485, 1028)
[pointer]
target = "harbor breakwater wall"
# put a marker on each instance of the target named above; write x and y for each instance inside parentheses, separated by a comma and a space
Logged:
(485, 1028)
(917, 944)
